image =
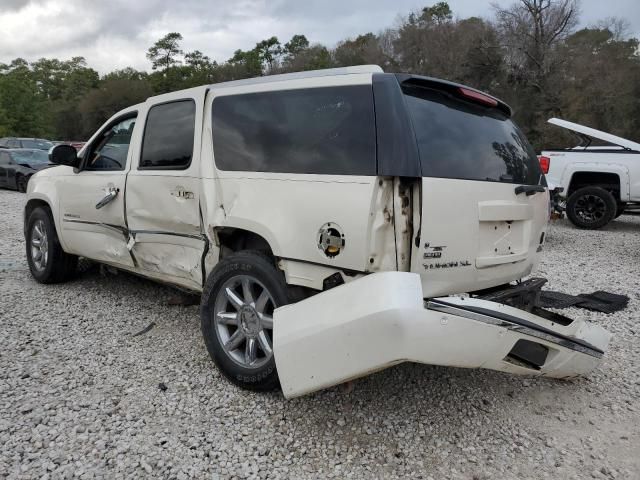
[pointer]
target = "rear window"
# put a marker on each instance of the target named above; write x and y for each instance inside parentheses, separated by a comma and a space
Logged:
(39, 157)
(459, 139)
(328, 130)
(168, 136)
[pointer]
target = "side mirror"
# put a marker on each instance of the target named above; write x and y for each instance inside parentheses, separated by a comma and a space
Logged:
(64, 155)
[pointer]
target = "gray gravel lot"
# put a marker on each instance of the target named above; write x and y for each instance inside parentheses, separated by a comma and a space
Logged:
(80, 395)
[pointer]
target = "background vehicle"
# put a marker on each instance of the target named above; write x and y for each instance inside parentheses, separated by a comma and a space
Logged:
(599, 182)
(14, 142)
(17, 166)
(315, 212)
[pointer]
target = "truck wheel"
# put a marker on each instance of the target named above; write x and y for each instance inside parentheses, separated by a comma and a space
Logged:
(591, 207)
(47, 261)
(236, 315)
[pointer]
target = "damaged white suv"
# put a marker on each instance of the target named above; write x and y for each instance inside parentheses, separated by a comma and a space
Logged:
(336, 222)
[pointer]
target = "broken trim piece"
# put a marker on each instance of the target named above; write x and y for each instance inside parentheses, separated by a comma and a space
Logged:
(518, 324)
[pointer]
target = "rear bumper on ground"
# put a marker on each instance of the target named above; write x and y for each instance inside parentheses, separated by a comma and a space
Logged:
(382, 319)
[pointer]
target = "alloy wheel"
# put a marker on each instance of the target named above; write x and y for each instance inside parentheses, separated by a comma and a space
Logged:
(39, 245)
(243, 319)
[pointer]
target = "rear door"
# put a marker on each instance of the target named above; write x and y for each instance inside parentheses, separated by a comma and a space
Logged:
(483, 196)
(163, 191)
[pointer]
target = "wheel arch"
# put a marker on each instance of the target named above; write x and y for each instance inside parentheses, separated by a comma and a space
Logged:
(613, 178)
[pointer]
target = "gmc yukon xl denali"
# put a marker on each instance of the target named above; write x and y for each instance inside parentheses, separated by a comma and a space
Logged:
(335, 223)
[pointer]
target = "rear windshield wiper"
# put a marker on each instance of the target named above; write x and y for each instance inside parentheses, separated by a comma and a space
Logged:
(529, 189)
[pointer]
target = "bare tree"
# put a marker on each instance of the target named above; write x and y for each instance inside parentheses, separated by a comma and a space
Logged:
(530, 32)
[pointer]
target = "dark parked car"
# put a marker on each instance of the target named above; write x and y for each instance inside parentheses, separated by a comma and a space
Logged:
(17, 166)
(14, 142)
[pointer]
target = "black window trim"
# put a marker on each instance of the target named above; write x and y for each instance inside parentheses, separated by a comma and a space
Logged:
(144, 132)
(87, 151)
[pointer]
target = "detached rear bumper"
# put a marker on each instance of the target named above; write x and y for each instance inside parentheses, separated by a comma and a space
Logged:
(381, 320)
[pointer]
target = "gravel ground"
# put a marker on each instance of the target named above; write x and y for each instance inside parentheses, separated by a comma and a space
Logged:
(80, 396)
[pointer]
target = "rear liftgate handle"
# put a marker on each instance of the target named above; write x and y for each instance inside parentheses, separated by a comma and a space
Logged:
(112, 193)
(529, 189)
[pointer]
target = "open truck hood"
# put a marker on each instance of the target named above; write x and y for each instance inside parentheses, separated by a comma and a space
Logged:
(592, 132)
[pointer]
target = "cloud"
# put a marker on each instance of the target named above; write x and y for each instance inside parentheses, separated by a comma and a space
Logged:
(117, 33)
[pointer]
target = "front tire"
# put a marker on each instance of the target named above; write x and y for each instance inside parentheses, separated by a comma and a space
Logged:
(48, 262)
(236, 315)
(591, 207)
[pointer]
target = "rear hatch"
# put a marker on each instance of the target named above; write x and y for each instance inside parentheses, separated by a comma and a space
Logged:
(483, 195)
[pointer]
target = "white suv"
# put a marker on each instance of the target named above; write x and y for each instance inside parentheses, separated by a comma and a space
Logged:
(325, 217)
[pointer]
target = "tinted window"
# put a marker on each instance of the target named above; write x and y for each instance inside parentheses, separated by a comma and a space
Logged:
(322, 130)
(168, 136)
(458, 139)
(13, 144)
(36, 143)
(109, 151)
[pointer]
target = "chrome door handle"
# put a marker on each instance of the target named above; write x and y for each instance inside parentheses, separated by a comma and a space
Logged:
(111, 194)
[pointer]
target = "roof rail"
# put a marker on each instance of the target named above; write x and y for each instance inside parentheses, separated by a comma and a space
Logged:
(300, 75)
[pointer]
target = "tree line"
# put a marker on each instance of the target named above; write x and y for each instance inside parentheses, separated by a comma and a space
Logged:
(530, 54)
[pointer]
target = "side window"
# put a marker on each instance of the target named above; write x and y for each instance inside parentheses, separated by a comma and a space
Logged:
(328, 130)
(168, 136)
(109, 152)
(13, 144)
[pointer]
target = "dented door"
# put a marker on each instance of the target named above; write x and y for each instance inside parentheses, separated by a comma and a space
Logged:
(163, 191)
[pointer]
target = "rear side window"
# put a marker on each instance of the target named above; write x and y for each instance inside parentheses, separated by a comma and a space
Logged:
(329, 130)
(168, 136)
(458, 139)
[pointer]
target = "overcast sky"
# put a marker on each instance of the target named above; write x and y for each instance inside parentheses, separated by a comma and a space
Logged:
(116, 33)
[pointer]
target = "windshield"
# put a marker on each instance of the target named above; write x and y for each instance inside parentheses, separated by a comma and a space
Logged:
(458, 139)
(36, 157)
(35, 143)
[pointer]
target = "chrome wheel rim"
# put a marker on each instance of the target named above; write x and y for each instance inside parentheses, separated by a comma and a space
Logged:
(590, 208)
(39, 245)
(243, 317)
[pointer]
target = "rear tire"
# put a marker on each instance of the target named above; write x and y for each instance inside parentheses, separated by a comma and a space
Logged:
(236, 316)
(48, 262)
(591, 207)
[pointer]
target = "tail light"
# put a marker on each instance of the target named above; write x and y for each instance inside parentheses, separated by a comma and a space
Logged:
(478, 97)
(545, 163)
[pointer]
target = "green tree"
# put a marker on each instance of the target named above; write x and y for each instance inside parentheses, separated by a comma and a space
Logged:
(163, 54)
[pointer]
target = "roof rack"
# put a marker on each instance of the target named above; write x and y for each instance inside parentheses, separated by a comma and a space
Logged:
(300, 75)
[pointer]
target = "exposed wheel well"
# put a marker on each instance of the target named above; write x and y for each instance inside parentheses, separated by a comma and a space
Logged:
(236, 239)
(608, 181)
(31, 206)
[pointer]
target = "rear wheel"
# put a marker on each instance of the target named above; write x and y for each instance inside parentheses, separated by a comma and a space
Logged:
(47, 261)
(237, 318)
(591, 207)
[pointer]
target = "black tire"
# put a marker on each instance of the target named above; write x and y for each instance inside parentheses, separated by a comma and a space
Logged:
(591, 207)
(258, 268)
(620, 209)
(59, 266)
(21, 183)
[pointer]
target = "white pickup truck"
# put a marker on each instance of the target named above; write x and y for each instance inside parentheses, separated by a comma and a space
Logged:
(335, 223)
(598, 183)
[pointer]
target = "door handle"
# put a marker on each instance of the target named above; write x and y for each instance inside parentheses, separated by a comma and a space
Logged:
(529, 189)
(112, 193)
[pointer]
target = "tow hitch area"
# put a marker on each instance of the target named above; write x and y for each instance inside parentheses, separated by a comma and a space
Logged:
(382, 319)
